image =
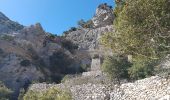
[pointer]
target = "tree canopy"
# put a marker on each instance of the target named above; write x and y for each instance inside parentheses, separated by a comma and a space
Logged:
(142, 28)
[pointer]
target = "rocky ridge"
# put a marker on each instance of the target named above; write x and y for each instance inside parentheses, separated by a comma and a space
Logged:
(88, 38)
(6, 25)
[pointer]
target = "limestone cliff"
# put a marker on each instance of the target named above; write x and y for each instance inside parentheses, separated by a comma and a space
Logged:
(28, 53)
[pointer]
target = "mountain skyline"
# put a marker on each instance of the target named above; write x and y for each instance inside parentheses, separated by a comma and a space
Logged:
(55, 16)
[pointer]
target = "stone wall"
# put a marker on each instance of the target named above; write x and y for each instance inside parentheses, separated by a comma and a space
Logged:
(95, 64)
(153, 88)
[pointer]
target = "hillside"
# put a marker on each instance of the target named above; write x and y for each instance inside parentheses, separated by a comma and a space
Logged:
(30, 54)
(98, 60)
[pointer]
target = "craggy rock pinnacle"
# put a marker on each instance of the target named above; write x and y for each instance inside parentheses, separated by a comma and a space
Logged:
(104, 16)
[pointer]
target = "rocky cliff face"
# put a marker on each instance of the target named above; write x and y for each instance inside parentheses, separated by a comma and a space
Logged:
(28, 53)
(104, 16)
(88, 38)
(6, 25)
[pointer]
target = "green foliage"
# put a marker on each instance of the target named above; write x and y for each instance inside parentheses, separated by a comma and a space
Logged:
(119, 68)
(7, 37)
(116, 67)
(69, 77)
(50, 94)
(95, 56)
(87, 24)
(142, 29)
(84, 67)
(141, 68)
(73, 29)
(25, 63)
(59, 62)
(5, 93)
(21, 94)
(69, 45)
(52, 36)
(119, 6)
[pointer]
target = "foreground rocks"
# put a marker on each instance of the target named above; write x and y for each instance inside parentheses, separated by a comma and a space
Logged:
(153, 88)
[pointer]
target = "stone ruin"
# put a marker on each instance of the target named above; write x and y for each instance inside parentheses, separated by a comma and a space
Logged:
(95, 69)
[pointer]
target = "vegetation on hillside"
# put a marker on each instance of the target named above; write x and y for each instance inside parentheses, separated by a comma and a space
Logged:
(50, 94)
(142, 29)
(85, 24)
(5, 93)
(116, 68)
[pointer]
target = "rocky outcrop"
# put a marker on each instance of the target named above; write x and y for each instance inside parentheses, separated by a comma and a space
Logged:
(88, 38)
(15, 74)
(153, 88)
(26, 54)
(104, 16)
(6, 25)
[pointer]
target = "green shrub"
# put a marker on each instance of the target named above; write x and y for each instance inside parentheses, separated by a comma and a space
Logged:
(68, 77)
(116, 67)
(21, 94)
(85, 67)
(72, 29)
(25, 63)
(69, 45)
(50, 94)
(95, 56)
(85, 24)
(7, 37)
(141, 69)
(5, 93)
(141, 28)
(59, 62)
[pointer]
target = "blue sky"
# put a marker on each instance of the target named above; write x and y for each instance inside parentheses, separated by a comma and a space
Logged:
(55, 16)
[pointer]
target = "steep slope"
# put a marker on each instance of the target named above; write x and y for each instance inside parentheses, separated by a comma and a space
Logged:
(30, 54)
(6, 25)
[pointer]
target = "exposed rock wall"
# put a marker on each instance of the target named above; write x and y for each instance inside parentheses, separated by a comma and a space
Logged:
(88, 39)
(104, 16)
(6, 25)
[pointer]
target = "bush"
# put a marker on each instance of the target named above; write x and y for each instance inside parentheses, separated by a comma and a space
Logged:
(69, 45)
(141, 69)
(59, 62)
(84, 67)
(87, 24)
(5, 93)
(25, 63)
(50, 94)
(116, 67)
(95, 56)
(21, 94)
(7, 37)
(72, 29)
